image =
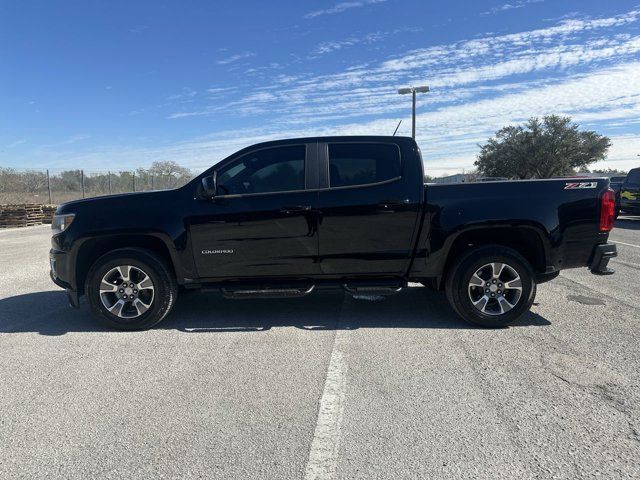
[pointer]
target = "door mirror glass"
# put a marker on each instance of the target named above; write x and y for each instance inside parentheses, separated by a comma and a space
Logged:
(209, 186)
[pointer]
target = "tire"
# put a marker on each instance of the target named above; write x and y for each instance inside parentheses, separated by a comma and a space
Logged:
(462, 289)
(143, 308)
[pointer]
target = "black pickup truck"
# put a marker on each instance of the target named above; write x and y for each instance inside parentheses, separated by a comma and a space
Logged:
(285, 218)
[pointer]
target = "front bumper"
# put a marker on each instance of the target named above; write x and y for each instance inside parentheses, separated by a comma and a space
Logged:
(61, 273)
(601, 256)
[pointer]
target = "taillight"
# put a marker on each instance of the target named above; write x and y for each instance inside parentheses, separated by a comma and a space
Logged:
(607, 210)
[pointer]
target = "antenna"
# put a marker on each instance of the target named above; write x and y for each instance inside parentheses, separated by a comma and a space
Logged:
(394, 132)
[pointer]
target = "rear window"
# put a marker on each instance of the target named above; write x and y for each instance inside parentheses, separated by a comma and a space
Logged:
(634, 177)
(362, 163)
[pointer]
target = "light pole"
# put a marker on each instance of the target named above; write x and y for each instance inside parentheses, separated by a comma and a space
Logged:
(413, 91)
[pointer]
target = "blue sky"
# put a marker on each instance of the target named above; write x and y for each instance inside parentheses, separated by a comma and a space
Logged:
(119, 84)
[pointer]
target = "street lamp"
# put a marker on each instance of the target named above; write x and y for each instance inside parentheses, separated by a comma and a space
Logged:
(413, 91)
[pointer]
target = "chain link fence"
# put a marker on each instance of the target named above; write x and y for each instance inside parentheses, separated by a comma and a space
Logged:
(19, 186)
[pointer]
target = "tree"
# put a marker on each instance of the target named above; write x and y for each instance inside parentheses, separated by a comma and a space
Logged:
(169, 168)
(613, 172)
(162, 174)
(543, 148)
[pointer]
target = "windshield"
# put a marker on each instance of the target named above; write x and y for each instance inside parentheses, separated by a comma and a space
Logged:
(633, 178)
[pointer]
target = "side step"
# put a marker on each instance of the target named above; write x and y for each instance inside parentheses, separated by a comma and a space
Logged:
(373, 288)
(267, 292)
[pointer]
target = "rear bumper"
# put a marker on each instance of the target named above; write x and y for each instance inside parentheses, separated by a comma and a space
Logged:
(601, 256)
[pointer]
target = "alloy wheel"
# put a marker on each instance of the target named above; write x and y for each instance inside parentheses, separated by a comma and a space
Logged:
(126, 291)
(495, 288)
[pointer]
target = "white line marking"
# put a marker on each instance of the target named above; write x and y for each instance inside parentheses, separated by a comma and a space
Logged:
(627, 244)
(323, 456)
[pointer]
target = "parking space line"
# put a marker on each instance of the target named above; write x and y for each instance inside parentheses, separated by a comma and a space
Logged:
(627, 244)
(323, 456)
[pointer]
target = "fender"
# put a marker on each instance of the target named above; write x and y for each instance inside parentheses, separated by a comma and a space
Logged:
(181, 259)
(438, 245)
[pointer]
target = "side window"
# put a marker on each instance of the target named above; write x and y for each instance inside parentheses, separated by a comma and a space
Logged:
(634, 177)
(362, 163)
(278, 169)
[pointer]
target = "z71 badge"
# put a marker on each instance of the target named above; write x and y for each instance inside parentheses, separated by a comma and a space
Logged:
(571, 186)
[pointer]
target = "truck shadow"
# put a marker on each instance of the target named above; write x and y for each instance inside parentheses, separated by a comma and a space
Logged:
(47, 313)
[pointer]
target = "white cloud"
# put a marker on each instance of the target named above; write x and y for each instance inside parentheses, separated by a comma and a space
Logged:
(449, 134)
(328, 47)
(235, 58)
(623, 154)
(511, 6)
(185, 92)
(459, 128)
(341, 7)
(455, 71)
(75, 139)
(586, 68)
(354, 40)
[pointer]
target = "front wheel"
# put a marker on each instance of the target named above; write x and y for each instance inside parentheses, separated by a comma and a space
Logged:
(130, 289)
(491, 286)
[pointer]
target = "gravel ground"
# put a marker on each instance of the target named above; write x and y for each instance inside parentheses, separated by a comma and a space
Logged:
(326, 385)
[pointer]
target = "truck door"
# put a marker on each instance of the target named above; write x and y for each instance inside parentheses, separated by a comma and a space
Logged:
(262, 221)
(368, 209)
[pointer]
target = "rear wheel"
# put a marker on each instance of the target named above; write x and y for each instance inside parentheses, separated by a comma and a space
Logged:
(131, 289)
(491, 286)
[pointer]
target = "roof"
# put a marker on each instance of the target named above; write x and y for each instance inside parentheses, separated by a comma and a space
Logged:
(337, 138)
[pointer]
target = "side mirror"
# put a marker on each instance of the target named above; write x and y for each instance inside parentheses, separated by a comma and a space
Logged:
(209, 185)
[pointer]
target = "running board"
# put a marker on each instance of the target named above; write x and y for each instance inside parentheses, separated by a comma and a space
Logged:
(267, 292)
(373, 289)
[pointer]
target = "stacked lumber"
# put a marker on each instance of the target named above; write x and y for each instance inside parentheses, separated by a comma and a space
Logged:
(48, 211)
(24, 215)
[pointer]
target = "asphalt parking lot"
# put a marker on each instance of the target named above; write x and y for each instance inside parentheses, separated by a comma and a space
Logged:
(321, 387)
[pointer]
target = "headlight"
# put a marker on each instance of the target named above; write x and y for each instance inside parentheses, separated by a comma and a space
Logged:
(61, 222)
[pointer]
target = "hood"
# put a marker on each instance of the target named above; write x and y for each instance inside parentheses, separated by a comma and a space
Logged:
(124, 201)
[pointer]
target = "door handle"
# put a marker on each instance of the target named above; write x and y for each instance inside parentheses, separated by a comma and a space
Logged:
(295, 209)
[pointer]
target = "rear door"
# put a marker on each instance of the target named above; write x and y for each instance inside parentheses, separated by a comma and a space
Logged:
(368, 208)
(262, 222)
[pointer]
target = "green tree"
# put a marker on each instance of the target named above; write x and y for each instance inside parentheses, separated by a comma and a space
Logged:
(543, 148)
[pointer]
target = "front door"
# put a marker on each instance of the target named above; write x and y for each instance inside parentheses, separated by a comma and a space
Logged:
(262, 221)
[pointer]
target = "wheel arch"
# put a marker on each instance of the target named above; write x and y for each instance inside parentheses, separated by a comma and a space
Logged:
(91, 249)
(528, 241)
